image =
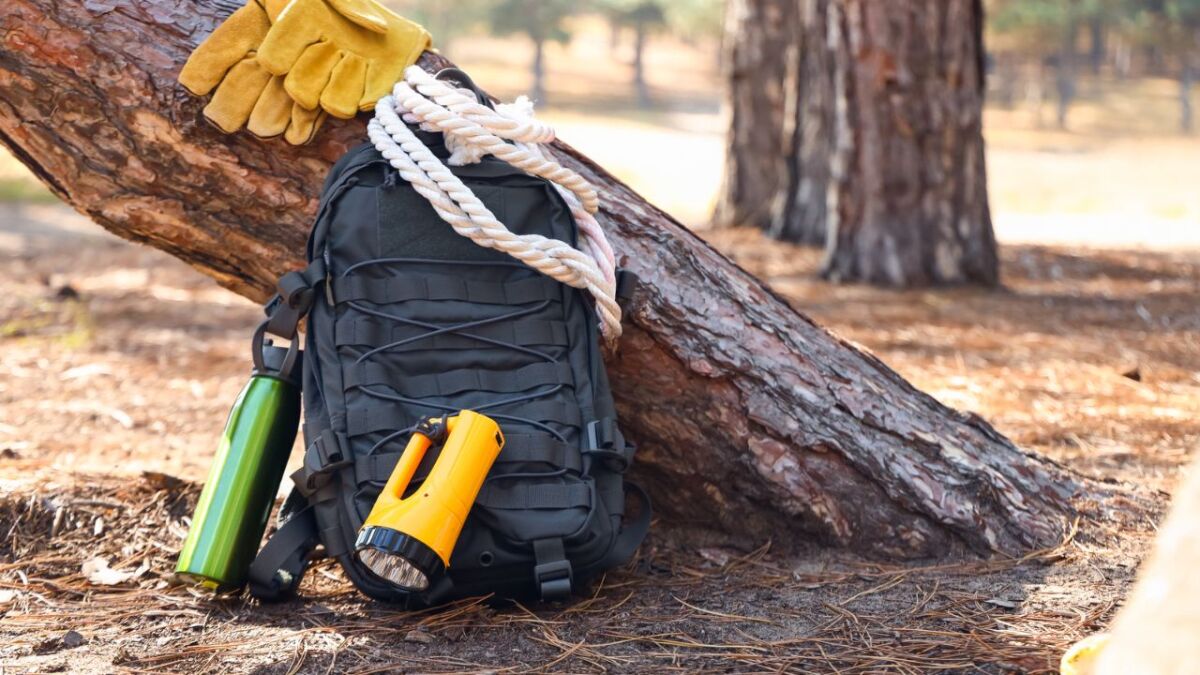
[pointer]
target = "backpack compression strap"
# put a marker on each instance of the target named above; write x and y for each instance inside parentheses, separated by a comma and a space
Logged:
(552, 573)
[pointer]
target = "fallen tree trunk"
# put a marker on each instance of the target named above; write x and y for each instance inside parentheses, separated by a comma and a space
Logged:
(754, 422)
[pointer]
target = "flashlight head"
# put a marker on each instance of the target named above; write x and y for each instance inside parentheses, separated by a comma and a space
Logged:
(398, 558)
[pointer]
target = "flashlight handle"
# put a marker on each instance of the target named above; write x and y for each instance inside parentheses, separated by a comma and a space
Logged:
(406, 468)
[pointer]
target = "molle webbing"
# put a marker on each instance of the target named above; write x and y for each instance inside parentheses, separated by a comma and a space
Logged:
(373, 332)
(369, 373)
(383, 291)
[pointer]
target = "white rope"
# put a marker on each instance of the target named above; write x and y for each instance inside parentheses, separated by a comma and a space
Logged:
(471, 131)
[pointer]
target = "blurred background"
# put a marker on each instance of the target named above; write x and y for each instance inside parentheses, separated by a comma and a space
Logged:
(1089, 352)
(1090, 115)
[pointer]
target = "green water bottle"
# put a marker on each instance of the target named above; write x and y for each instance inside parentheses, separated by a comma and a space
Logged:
(236, 502)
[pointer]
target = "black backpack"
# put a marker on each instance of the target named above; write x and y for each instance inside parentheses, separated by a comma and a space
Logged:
(408, 320)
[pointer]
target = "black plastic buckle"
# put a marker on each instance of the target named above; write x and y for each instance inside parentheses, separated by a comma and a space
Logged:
(554, 579)
(606, 442)
(616, 461)
(320, 460)
(602, 433)
(628, 284)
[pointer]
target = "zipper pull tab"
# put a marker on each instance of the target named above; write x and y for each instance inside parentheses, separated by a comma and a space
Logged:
(328, 277)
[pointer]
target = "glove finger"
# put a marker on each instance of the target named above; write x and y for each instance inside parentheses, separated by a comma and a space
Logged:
(289, 39)
(308, 77)
(341, 96)
(382, 74)
(273, 111)
(234, 100)
(304, 125)
(364, 13)
(236, 37)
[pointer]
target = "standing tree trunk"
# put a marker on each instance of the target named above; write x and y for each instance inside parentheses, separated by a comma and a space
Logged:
(1065, 76)
(538, 69)
(879, 151)
(1098, 49)
(910, 203)
(758, 33)
(754, 422)
(800, 212)
(1186, 121)
(1187, 74)
(639, 65)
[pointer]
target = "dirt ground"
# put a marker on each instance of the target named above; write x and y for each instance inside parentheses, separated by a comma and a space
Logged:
(118, 364)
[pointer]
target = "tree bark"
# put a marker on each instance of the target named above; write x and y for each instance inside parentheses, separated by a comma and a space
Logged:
(758, 34)
(754, 422)
(909, 206)
(800, 209)
(879, 151)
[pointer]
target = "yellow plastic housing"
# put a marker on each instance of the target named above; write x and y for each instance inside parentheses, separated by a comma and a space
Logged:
(435, 514)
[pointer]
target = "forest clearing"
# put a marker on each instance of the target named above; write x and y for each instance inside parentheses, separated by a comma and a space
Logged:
(118, 363)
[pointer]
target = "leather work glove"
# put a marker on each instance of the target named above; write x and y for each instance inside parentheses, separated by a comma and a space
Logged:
(246, 94)
(341, 55)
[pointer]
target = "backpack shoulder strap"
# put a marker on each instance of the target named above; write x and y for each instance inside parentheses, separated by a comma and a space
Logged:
(633, 532)
(278, 568)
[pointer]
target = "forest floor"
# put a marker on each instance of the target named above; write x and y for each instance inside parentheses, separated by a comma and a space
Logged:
(118, 364)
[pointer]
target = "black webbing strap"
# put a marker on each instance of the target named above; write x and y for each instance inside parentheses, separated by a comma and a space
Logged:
(325, 455)
(385, 416)
(539, 448)
(533, 496)
(518, 449)
(279, 567)
(431, 287)
(633, 532)
(368, 373)
(372, 332)
(293, 299)
(552, 573)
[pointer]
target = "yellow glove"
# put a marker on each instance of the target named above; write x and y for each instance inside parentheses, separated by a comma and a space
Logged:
(246, 95)
(341, 55)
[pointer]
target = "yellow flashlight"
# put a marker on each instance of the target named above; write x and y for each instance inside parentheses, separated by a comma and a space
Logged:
(408, 541)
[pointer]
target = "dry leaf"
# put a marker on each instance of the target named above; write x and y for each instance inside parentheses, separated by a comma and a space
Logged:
(715, 556)
(97, 571)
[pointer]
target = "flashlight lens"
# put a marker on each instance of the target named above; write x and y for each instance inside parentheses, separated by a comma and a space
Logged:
(394, 568)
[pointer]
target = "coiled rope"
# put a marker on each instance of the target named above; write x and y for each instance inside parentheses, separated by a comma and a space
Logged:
(473, 130)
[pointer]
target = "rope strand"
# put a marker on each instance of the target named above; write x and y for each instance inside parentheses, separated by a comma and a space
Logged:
(471, 131)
